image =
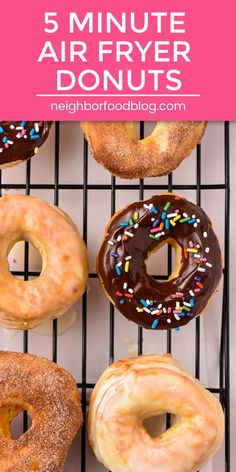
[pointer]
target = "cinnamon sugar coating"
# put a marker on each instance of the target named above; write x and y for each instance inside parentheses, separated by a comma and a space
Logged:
(49, 394)
(116, 146)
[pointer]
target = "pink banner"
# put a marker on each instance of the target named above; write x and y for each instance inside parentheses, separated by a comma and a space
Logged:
(165, 60)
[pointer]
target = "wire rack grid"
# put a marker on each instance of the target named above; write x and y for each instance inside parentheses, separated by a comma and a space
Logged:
(223, 387)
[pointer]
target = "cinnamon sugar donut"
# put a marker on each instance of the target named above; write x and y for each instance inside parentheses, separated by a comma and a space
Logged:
(63, 279)
(20, 140)
(139, 230)
(132, 390)
(116, 146)
(50, 395)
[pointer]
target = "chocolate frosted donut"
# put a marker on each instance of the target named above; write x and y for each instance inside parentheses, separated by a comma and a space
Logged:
(139, 230)
(20, 140)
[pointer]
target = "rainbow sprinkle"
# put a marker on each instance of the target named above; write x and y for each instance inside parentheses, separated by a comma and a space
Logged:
(11, 133)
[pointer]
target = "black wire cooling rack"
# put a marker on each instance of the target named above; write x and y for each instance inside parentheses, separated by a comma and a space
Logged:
(223, 388)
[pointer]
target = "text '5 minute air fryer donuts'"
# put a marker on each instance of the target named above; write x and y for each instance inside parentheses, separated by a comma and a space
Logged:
(132, 390)
(63, 279)
(116, 146)
(139, 230)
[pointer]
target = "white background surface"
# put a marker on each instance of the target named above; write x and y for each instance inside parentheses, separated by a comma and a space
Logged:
(69, 343)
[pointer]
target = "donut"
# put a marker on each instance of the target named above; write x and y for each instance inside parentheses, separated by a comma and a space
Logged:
(20, 140)
(50, 395)
(16, 263)
(139, 230)
(132, 390)
(116, 146)
(26, 304)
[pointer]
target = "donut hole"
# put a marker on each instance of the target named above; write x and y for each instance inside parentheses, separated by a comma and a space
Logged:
(24, 254)
(157, 425)
(23, 418)
(157, 261)
(12, 419)
(147, 130)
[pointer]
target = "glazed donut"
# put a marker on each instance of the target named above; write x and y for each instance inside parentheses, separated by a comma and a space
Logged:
(132, 390)
(116, 146)
(17, 263)
(26, 304)
(139, 230)
(20, 140)
(50, 395)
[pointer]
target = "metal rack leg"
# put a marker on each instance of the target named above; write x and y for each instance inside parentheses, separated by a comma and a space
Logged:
(56, 202)
(84, 315)
(198, 321)
(141, 197)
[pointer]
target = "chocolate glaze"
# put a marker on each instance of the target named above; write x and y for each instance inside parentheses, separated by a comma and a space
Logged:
(159, 299)
(20, 140)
